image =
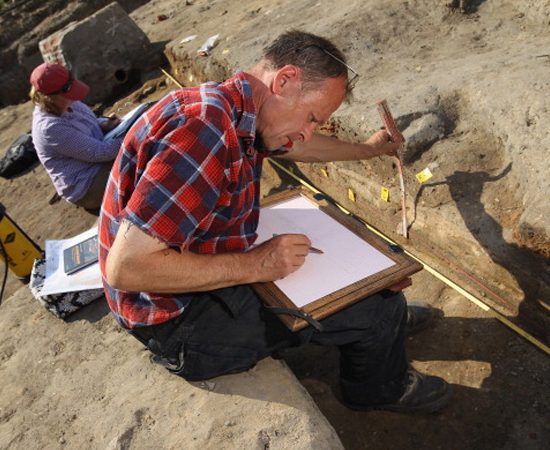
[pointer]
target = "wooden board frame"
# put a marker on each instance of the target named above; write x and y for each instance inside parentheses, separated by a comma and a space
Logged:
(404, 267)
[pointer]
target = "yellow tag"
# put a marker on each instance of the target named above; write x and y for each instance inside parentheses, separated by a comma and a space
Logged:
(351, 195)
(225, 52)
(425, 175)
(385, 194)
(324, 172)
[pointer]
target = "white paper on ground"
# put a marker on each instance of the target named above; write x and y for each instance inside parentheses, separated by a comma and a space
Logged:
(57, 281)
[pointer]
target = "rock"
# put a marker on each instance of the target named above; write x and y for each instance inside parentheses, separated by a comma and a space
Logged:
(421, 134)
(106, 394)
(106, 51)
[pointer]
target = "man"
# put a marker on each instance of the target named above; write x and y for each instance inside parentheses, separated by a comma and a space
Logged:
(178, 225)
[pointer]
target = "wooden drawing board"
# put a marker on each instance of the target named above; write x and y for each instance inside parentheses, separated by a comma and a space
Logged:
(356, 262)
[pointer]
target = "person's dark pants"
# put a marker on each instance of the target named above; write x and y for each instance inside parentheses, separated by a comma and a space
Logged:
(229, 330)
(94, 196)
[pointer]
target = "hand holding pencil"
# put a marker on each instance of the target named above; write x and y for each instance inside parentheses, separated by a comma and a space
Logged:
(282, 255)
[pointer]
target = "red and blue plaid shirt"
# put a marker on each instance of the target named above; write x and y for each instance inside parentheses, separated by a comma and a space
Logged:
(188, 173)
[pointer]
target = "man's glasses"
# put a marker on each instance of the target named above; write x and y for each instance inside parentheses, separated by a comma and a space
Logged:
(353, 80)
(65, 88)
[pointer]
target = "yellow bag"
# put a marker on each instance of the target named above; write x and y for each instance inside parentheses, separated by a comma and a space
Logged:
(16, 248)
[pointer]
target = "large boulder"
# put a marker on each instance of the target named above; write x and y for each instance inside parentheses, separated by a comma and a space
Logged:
(106, 51)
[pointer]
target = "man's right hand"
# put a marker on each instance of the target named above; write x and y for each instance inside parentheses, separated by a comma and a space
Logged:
(281, 256)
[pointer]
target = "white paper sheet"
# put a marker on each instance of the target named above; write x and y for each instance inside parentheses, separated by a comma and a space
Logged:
(346, 259)
(57, 281)
(126, 122)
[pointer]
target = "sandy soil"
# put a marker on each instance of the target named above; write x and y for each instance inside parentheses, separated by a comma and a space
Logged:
(500, 380)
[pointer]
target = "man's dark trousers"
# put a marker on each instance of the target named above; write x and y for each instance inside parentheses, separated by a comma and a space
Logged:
(229, 330)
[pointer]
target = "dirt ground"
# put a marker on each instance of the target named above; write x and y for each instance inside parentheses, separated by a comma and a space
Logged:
(500, 380)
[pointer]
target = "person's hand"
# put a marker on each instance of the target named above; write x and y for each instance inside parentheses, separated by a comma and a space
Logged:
(381, 144)
(281, 256)
(111, 122)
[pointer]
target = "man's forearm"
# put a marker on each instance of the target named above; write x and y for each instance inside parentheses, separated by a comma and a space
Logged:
(321, 148)
(170, 271)
(139, 262)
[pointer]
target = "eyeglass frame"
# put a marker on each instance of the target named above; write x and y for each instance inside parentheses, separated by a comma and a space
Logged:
(353, 81)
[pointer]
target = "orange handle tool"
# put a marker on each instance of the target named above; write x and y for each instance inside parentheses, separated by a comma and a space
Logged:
(389, 123)
(395, 136)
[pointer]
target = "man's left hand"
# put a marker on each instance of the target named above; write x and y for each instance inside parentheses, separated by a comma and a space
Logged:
(381, 144)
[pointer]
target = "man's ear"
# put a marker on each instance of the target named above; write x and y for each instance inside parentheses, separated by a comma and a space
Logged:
(286, 77)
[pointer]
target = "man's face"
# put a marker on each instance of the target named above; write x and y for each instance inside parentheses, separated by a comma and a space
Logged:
(292, 113)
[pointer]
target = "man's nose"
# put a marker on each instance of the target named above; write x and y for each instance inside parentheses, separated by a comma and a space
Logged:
(307, 132)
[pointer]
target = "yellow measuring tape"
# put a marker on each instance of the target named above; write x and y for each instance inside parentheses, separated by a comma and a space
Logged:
(177, 83)
(434, 272)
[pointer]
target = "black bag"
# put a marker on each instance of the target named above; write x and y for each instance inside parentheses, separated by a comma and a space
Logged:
(20, 156)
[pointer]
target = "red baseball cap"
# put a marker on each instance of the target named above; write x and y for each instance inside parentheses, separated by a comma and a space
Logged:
(51, 79)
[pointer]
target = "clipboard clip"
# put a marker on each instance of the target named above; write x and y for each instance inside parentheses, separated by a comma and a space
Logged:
(296, 313)
(394, 248)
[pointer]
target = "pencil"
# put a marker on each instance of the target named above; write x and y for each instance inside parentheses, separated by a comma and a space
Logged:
(315, 250)
(311, 249)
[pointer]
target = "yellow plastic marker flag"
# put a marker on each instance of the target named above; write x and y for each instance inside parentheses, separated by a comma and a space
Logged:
(423, 176)
(385, 194)
(324, 172)
(351, 195)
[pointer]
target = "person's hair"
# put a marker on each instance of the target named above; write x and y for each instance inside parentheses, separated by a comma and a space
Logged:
(45, 102)
(315, 56)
